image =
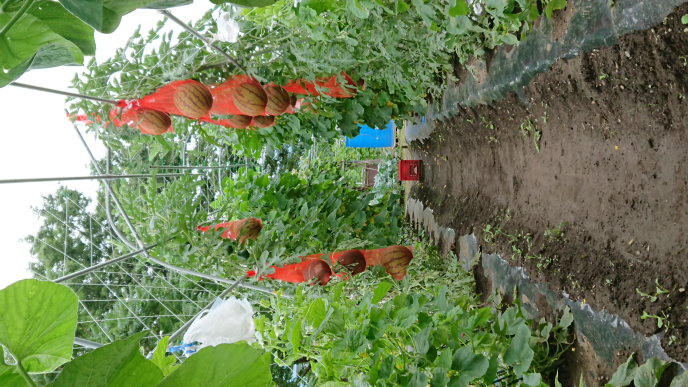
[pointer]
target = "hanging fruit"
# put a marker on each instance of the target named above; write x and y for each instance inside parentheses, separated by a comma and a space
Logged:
(318, 269)
(250, 99)
(278, 100)
(193, 99)
(395, 260)
(239, 121)
(263, 121)
(353, 260)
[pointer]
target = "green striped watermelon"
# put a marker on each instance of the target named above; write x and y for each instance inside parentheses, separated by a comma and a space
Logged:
(193, 100)
(250, 99)
(395, 260)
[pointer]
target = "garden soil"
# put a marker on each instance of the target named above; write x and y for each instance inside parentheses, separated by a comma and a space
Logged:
(611, 170)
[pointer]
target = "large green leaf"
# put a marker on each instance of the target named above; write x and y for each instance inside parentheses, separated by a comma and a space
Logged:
(24, 40)
(9, 377)
(37, 323)
(164, 4)
(114, 365)
(65, 24)
(681, 380)
(624, 374)
(225, 365)
(381, 291)
(247, 3)
(519, 352)
(554, 5)
(103, 15)
(648, 374)
(469, 365)
(53, 55)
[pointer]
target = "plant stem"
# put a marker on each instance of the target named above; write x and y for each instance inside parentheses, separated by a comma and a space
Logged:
(6, 5)
(25, 7)
(24, 374)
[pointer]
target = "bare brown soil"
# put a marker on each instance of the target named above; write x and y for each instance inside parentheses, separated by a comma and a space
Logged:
(612, 164)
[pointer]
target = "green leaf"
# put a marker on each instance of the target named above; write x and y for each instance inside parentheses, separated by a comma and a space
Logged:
(461, 8)
(556, 380)
(247, 3)
(65, 24)
(419, 379)
(164, 4)
(37, 323)
(439, 377)
(445, 359)
(116, 364)
(57, 54)
(295, 338)
(381, 291)
(402, 6)
(103, 15)
(353, 343)
(648, 374)
(316, 312)
(681, 380)
(510, 39)
(469, 365)
(684, 20)
(566, 318)
(353, 7)
(532, 379)
(491, 373)
(405, 317)
(21, 44)
(7, 77)
(624, 374)
(519, 352)
(386, 368)
(225, 365)
(554, 5)
(421, 340)
(166, 364)
(8, 376)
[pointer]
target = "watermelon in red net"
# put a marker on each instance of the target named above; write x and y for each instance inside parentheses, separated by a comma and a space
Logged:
(148, 121)
(240, 94)
(186, 98)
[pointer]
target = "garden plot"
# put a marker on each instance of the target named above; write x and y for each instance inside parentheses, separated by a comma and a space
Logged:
(581, 180)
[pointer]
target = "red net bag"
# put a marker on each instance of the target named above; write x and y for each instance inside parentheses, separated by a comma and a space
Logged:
(301, 86)
(186, 98)
(395, 260)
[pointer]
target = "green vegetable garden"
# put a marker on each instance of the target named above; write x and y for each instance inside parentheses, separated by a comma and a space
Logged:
(238, 238)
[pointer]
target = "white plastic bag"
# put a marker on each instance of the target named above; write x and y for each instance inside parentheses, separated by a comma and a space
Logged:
(228, 321)
(227, 29)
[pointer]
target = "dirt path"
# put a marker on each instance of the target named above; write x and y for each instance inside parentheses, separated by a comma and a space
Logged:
(612, 164)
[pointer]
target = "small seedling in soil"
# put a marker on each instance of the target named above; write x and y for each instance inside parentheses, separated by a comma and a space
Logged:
(607, 282)
(659, 291)
(660, 320)
(492, 139)
(525, 129)
(555, 233)
(603, 76)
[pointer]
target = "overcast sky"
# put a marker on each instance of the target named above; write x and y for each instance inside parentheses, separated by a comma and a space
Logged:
(40, 142)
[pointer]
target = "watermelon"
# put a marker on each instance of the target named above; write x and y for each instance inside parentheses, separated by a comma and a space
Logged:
(239, 121)
(193, 100)
(395, 260)
(278, 100)
(353, 260)
(250, 99)
(318, 269)
(249, 229)
(153, 121)
(264, 121)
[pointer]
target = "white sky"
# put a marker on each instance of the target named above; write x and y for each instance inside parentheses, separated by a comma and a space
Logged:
(39, 141)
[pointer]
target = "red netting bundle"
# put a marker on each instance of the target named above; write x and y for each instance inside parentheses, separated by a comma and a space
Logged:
(395, 260)
(248, 102)
(348, 90)
(243, 229)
